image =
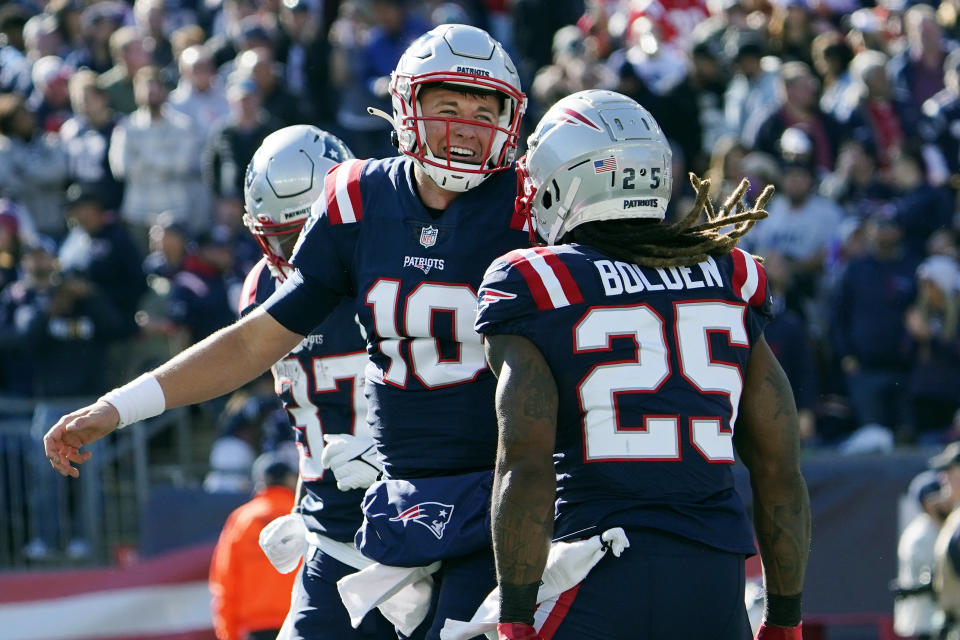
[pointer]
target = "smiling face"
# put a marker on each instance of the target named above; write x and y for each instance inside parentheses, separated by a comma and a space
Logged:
(466, 143)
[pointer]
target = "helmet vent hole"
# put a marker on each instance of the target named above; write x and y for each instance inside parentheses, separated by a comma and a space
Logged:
(645, 123)
(547, 199)
(619, 124)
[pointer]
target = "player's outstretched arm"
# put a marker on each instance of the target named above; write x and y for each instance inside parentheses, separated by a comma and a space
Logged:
(220, 363)
(524, 487)
(767, 437)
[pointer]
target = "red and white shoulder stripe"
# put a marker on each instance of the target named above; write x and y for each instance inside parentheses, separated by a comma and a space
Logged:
(248, 293)
(549, 280)
(342, 191)
(749, 278)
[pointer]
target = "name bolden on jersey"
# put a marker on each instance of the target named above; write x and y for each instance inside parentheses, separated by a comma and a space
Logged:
(472, 71)
(424, 264)
(622, 277)
(639, 202)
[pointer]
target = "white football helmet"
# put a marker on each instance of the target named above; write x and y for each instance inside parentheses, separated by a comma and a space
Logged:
(595, 155)
(456, 54)
(283, 179)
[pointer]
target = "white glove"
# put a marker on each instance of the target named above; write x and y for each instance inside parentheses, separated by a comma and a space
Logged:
(353, 460)
(284, 541)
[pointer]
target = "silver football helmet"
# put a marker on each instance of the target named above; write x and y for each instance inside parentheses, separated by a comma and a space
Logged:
(283, 179)
(595, 155)
(456, 54)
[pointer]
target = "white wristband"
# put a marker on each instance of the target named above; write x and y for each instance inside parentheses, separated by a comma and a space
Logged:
(137, 400)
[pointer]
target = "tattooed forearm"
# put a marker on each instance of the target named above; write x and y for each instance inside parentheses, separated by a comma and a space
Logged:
(782, 522)
(768, 439)
(784, 403)
(524, 482)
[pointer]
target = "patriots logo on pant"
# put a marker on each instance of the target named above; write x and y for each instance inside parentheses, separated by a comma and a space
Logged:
(432, 515)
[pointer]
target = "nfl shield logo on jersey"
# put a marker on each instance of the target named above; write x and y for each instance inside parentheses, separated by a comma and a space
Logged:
(428, 236)
(433, 515)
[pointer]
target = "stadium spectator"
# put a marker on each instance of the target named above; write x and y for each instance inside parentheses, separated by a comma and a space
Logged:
(868, 329)
(856, 184)
(58, 326)
(129, 56)
(798, 107)
(154, 151)
(33, 166)
(149, 18)
(917, 70)
(870, 113)
(11, 243)
(917, 207)
(250, 598)
(306, 58)
(753, 88)
(86, 137)
(232, 143)
(199, 93)
(41, 37)
(932, 326)
(100, 20)
(791, 31)
(100, 249)
(69, 18)
(14, 66)
(802, 226)
(258, 65)
(915, 613)
(691, 114)
(936, 127)
(200, 300)
(50, 100)
(831, 59)
(168, 247)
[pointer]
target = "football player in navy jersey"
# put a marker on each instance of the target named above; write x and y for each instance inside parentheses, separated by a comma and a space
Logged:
(408, 238)
(321, 385)
(631, 366)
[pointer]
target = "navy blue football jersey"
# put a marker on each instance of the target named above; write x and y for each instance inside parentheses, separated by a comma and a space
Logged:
(649, 366)
(414, 275)
(321, 386)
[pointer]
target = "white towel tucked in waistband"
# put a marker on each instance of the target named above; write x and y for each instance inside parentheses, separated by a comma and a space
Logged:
(401, 593)
(568, 563)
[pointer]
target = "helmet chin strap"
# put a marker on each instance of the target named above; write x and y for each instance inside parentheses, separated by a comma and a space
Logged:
(380, 113)
(565, 208)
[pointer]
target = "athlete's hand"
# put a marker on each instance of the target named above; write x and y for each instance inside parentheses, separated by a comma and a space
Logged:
(284, 541)
(63, 441)
(516, 631)
(773, 632)
(353, 460)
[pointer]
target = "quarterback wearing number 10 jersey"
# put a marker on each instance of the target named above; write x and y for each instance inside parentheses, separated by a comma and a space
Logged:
(414, 275)
(652, 340)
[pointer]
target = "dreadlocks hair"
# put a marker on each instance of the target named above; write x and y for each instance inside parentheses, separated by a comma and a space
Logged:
(649, 244)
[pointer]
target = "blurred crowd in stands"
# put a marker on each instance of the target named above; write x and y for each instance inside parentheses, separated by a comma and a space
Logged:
(125, 130)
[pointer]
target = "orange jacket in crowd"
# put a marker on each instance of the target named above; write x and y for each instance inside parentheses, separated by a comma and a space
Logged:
(248, 593)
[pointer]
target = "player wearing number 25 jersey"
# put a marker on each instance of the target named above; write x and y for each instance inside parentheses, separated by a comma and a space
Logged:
(634, 354)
